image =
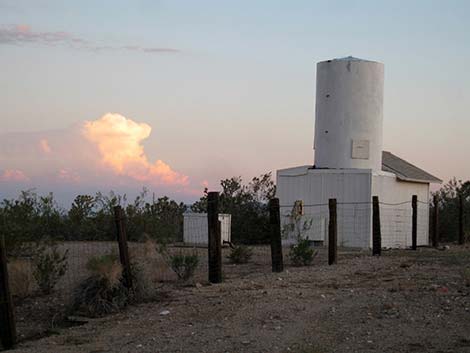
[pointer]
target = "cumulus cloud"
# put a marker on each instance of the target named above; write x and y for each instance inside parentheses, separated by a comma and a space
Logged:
(119, 141)
(23, 34)
(99, 154)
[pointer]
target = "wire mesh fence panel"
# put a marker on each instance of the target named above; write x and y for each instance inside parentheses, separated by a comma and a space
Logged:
(396, 225)
(248, 252)
(354, 224)
(308, 225)
(44, 281)
(423, 237)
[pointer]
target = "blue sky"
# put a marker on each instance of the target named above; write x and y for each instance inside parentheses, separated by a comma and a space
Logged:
(236, 96)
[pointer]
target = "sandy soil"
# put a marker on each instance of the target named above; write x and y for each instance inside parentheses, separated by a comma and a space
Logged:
(404, 301)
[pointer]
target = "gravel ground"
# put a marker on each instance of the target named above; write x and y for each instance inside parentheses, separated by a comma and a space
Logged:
(403, 301)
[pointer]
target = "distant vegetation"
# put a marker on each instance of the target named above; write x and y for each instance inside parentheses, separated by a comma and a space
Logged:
(449, 209)
(33, 218)
(248, 205)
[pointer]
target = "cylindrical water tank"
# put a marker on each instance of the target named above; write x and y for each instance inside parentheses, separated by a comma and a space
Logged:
(349, 114)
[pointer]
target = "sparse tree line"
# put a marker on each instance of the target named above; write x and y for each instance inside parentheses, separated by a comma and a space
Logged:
(34, 218)
(449, 198)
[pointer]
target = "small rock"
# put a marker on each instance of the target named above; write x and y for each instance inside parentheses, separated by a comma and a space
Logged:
(165, 312)
(442, 290)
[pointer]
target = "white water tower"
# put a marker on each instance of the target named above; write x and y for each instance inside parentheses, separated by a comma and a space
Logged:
(349, 114)
(350, 165)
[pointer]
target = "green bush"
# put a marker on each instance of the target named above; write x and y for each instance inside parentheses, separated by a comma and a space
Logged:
(49, 266)
(240, 254)
(301, 254)
(184, 265)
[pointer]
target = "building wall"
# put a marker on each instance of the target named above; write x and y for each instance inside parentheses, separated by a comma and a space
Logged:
(315, 187)
(396, 217)
(195, 228)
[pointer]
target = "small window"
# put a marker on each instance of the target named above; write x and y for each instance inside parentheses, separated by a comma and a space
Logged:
(360, 149)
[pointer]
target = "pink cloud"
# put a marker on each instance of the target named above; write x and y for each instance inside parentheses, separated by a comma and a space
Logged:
(44, 146)
(23, 34)
(106, 153)
(68, 176)
(13, 175)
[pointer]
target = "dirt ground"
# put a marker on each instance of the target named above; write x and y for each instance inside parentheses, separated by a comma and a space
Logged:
(404, 301)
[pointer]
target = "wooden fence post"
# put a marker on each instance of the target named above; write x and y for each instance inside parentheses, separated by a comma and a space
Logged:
(123, 249)
(414, 228)
(7, 317)
(215, 244)
(435, 222)
(275, 230)
(376, 231)
(461, 233)
(332, 233)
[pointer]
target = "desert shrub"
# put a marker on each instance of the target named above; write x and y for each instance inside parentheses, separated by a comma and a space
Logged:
(184, 265)
(301, 254)
(240, 254)
(103, 291)
(49, 266)
(20, 276)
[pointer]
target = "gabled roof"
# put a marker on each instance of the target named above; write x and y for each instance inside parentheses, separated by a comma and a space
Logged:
(405, 170)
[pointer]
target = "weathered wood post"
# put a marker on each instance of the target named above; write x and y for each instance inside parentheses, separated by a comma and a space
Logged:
(435, 222)
(215, 244)
(7, 317)
(461, 233)
(275, 230)
(414, 220)
(332, 233)
(123, 249)
(376, 231)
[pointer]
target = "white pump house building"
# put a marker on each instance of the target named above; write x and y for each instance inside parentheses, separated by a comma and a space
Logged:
(351, 166)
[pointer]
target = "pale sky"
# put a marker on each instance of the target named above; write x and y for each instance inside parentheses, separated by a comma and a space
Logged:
(205, 90)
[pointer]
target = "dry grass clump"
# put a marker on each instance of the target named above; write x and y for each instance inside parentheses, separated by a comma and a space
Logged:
(21, 276)
(103, 291)
(145, 269)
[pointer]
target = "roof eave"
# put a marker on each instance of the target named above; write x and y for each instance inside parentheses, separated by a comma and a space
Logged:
(421, 181)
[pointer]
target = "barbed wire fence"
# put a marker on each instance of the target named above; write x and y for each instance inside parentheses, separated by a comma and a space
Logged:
(196, 249)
